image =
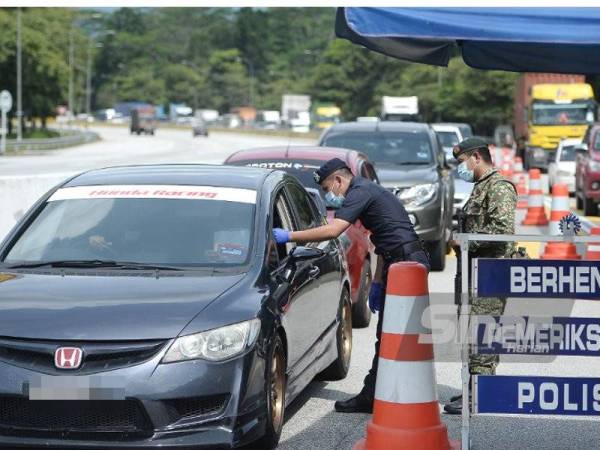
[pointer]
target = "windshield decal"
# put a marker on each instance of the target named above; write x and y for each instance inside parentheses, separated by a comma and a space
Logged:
(282, 165)
(156, 191)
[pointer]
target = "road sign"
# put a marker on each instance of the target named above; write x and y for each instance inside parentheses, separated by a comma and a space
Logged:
(538, 278)
(5, 101)
(537, 395)
(573, 336)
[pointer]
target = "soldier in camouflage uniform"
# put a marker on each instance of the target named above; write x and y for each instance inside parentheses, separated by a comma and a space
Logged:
(489, 210)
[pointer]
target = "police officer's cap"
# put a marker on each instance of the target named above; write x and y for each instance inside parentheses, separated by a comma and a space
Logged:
(328, 168)
(468, 145)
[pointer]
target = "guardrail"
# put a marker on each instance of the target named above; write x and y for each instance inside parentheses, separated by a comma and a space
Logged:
(68, 138)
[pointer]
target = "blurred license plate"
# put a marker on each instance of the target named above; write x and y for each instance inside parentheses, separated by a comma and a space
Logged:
(69, 387)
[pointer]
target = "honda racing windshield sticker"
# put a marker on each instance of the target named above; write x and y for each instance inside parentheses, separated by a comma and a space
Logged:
(156, 191)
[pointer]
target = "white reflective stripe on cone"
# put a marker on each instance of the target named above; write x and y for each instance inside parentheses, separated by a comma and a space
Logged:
(536, 200)
(403, 314)
(405, 381)
(534, 183)
(593, 248)
(560, 204)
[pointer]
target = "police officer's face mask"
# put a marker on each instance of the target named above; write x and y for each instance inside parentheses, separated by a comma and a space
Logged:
(465, 173)
(334, 200)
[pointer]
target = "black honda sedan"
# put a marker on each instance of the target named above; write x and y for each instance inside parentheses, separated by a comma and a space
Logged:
(149, 306)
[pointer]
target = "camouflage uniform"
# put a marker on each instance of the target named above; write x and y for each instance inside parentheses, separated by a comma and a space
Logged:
(489, 210)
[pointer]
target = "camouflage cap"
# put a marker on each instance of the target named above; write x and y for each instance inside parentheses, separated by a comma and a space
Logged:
(468, 145)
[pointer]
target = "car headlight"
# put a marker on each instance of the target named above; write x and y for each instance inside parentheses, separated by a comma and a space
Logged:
(594, 166)
(214, 345)
(539, 153)
(418, 194)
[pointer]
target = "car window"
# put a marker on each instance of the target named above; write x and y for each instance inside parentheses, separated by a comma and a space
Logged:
(367, 171)
(401, 147)
(448, 138)
(303, 205)
(194, 232)
(282, 218)
(567, 153)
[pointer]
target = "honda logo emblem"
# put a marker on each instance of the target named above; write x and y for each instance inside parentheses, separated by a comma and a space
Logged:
(68, 357)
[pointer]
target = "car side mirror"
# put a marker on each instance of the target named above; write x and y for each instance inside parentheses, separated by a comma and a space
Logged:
(300, 253)
(581, 149)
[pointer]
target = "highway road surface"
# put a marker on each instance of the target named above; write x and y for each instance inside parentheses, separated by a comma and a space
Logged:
(311, 421)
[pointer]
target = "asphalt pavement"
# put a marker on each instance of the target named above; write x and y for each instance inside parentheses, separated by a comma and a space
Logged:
(311, 422)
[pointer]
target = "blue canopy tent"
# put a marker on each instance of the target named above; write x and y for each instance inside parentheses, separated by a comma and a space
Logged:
(558, 40)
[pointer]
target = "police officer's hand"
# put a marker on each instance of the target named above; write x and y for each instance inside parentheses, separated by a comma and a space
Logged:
(281, 236)
(375, 296)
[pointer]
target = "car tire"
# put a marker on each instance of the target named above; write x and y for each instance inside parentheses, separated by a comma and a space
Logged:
(361, 313)
(338, 369)
(437, 254)
(590, 208)
(578, 201)
(275, 386)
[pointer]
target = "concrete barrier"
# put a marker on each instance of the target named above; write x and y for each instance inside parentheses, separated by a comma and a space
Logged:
(19, 193)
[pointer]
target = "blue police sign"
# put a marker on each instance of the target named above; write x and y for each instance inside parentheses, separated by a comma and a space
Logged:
(576, 336)
(537, 395)
(538, 278)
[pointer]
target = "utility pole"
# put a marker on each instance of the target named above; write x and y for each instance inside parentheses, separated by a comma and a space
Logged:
(71, 62)
(88, 80)
(19, 80)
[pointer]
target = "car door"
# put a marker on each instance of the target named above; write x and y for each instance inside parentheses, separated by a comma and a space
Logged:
(324, 271)
(296, 308)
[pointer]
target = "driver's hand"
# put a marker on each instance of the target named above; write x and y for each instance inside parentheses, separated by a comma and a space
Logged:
(99, 242)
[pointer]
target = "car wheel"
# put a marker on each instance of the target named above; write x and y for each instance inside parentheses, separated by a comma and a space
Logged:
(437, 253)
(338, 369)
(578, 201)
(361, 313)
(590, 208)
(275, 387)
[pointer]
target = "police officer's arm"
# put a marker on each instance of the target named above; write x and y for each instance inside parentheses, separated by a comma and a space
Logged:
(502, 203)
(322, 233)
(355, 202)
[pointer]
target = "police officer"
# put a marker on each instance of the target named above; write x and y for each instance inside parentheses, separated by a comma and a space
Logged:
(489, 210)
(391, 231)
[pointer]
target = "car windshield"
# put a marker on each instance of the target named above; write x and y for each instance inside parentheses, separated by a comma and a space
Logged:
(465, 131)
(550, 114)
(568, 153)
(386, 147)
(172, 231)
(448, 138)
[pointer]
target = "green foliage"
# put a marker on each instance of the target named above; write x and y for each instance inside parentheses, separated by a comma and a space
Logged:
(217, 57)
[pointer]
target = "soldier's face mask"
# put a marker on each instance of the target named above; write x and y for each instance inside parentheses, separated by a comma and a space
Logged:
(464, 172)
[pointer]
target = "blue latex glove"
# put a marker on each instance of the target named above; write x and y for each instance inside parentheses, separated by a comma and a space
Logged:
(281, 236)
(376, 296)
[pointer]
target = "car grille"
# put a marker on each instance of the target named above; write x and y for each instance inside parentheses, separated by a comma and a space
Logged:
(61, 417)
(97, 356)
(198, 407)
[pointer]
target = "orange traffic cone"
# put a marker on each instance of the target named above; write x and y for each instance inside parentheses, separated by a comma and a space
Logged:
(517, 170)
(405, 412)
(522, 192)
(536, 215)
(560, 209)
(593, 250)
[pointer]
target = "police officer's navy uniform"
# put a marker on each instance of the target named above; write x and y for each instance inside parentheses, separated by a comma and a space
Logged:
(393, 235)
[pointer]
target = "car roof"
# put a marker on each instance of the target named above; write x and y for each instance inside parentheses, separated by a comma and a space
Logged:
(378, 126)
(296, 152)
(178, 174)
(444, 127)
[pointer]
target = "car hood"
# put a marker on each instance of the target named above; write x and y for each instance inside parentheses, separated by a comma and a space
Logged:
(405, 176)
(104, 307)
